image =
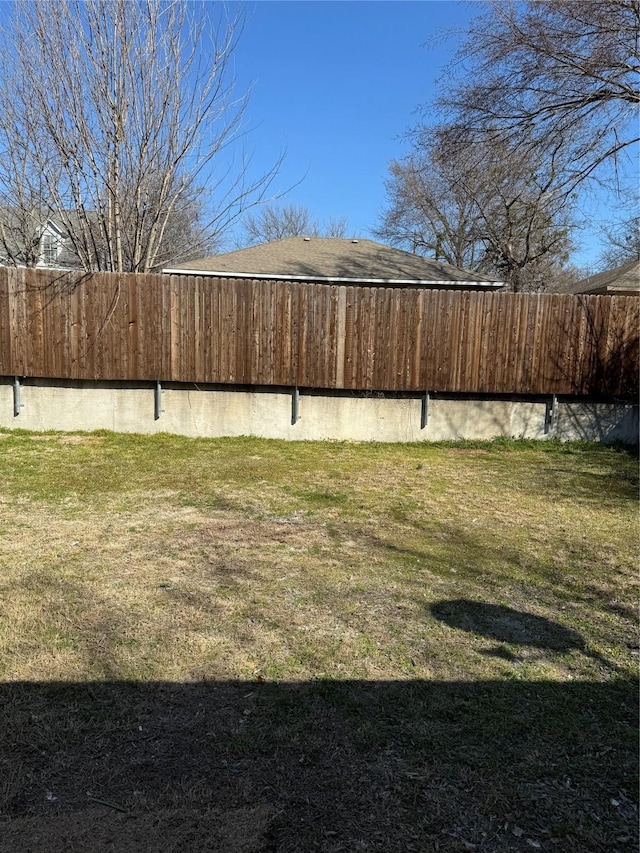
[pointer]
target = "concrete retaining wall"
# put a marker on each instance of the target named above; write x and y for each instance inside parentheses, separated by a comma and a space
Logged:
(225, 411)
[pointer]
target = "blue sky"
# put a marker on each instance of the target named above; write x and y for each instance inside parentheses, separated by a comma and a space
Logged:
(336, 85)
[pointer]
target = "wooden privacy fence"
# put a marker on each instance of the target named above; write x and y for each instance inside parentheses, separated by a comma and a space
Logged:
(201, 329)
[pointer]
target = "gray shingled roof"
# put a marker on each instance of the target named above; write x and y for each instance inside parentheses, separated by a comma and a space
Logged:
(335, 259)
(624, 279)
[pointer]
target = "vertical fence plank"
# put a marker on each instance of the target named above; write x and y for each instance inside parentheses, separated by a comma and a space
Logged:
(35, 340)
(428, 351)
(349, 323)
(6, 337)
(16, 292)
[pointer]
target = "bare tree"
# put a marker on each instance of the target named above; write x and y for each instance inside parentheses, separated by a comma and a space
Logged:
(124, 111)
(542, 98)
(430, 213)
(551, 69)
(623, 243)
(275, 222)
(23, 188)
(521, 217)
(491, 208)
(335, 227)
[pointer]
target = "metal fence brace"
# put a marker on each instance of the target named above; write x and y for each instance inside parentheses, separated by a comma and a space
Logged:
(157, 401)
(17, 402)
(424, 414)
(295, 405)
(551, 416)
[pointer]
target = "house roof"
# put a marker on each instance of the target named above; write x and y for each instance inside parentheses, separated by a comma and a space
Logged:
(624, 279)
(21, 232)
(335, 259)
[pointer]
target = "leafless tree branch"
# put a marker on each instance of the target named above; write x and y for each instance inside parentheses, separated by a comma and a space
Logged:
(275, 222)
(547, 69)
(115, 116)
(491, 208)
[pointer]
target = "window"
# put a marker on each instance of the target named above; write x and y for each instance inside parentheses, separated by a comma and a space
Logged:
(50, 249)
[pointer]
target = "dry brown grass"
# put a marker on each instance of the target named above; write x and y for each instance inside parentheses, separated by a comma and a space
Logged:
(436, 617)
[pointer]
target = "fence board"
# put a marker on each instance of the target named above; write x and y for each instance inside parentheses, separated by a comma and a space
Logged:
(219, 330)
(428, 364)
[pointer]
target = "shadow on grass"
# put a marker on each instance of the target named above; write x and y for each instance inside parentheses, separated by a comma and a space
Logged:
(325, 765)
(483, 558)
(513, 627)
(506, 625)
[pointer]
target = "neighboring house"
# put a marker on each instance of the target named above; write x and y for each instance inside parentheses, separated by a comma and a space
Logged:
(28, 239)
(337, 261)
(53, 249)
(621, 280)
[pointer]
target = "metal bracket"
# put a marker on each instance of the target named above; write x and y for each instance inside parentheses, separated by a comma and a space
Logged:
(157, 401)
(295, 405)
(551, 416)
(17, 404)
(424, 413)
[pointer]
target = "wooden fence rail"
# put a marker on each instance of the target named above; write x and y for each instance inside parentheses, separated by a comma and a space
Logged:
(201, 329)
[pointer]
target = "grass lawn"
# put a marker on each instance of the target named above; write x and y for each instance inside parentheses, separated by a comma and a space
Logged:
(264, 647)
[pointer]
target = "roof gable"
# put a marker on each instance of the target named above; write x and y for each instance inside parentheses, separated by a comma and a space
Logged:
(623, 279)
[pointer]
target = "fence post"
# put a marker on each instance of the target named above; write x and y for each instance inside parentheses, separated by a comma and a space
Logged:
(295, 405)
(17, 402)
(551, 416)
(424, 413)
(157, 401)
